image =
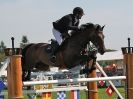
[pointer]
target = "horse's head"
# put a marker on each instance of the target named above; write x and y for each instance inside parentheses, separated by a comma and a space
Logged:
(96, 36)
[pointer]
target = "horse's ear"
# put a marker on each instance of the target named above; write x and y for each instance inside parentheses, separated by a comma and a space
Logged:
(97, 27)
(103, 27)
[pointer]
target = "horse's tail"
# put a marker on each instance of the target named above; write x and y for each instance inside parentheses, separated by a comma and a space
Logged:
(24, 50)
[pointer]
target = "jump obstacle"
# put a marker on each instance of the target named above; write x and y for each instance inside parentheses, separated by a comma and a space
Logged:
(15, 76)
(80, 80)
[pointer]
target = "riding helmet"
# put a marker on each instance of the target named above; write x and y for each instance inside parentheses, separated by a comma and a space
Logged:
(78, 10)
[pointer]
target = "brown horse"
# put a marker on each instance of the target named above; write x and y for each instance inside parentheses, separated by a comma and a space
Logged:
(69, 54)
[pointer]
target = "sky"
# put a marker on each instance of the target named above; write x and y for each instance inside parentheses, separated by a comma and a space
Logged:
(33, 18)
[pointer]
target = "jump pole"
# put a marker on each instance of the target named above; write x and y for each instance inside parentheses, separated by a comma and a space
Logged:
(128, 61)
(76, 80)
(14, 72)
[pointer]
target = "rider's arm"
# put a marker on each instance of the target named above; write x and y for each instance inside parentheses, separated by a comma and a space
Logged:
(69, 24)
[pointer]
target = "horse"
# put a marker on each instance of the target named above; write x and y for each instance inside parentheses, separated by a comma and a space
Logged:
(37, 55)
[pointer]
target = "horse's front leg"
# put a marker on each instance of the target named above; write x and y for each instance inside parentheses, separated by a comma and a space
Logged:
(84, 58)
(89, 65)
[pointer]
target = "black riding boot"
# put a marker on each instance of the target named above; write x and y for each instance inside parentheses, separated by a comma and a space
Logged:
(55, 46)
(53, 56)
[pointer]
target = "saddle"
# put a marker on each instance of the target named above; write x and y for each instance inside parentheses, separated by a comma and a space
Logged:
(52, 47)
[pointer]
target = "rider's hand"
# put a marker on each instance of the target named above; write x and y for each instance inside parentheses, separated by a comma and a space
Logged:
(65, 35)
(81, 28)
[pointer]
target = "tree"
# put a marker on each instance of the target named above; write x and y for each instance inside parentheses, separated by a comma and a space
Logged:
(2, 54)
(2, 47)
(24, 41)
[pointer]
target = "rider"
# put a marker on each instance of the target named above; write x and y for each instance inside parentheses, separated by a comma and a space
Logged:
(66, 23)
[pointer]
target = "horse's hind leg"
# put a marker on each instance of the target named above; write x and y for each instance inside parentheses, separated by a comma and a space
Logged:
(26, 74)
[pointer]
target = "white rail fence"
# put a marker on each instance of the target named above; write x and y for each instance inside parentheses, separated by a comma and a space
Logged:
(79, 80)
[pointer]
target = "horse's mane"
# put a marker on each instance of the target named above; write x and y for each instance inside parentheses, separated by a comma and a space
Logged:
(74, 32)
(77, 32)
(84, 27)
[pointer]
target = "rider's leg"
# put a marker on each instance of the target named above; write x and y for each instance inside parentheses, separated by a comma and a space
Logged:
(57, 36)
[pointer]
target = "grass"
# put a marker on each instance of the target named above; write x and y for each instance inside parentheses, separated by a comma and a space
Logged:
(101, 94)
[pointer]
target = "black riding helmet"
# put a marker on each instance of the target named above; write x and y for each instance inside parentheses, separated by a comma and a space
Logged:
(78, 10)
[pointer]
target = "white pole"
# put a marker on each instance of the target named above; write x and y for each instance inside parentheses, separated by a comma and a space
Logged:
(3, 68)
(28, 83)
(105, 75)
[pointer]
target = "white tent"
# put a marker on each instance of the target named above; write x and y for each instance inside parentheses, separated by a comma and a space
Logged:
(115, 55)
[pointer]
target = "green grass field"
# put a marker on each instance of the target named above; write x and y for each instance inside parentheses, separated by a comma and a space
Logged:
(101, 94)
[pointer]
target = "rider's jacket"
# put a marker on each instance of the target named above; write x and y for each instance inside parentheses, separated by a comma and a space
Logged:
(67, 22)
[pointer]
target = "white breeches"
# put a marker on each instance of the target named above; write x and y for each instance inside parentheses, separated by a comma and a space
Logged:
(57, 36)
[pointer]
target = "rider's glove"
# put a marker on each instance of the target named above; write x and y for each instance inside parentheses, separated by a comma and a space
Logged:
(65, 35)
(81, 28)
